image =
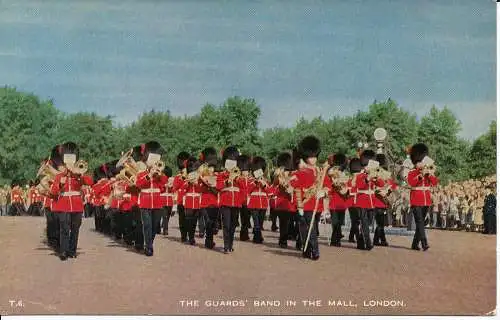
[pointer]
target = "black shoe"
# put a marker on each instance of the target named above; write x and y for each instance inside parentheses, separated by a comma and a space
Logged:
(201, 235)
(139, 248)
(415, 248)
(377, 244)
(165, 232)
(384, 244)
(368, 248)
(283, 245)
(315, 257)
(226, 251)
(63, 257)
(244, 237)
(231, 250)
(184, 240)
(274, 229)
(72, 255)
(148, 252)
(210, 245)
(425, 248)
(128, 242)
(192, 242)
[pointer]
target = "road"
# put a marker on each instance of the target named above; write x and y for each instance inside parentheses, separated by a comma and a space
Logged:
(457, 276)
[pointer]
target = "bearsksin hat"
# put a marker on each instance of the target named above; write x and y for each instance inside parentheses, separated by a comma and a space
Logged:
(259, 163)
(355, 165)
(243, 162)
(230, 153)
(309, 147)
(285, 160)
(418, 152)
(209, 156)
(182, 157)
(366, 156)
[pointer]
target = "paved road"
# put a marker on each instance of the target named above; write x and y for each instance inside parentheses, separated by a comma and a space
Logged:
(456, 276)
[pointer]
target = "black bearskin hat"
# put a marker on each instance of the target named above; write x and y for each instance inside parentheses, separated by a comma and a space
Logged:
(69, 148)
(355, 165)
(167, 171)
(209, 155)
(56, 157)
(137, 153)
(285, 160)
(296, 158)
(112, 170)
(309, 147)
(230, 153)
(152, 147)
(182, 157)
(244, 162)
(338, 160)
(366, 156)
(14, 183)
(418, 152)
(382, 160)
(192, 164)
(259, 163)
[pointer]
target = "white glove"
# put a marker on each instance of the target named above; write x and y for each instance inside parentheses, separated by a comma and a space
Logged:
(301, 212)
(174, 208)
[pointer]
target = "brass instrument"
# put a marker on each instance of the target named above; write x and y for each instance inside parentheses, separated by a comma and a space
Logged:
(157, 168)
(192, 177)
(47, 170)
(234, 173)
(339, 180)
(204, 170)
(429, 169)
(316, 187)
(79, 168)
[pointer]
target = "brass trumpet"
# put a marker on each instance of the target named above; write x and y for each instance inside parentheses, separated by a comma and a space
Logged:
(204, 170)
(158, 167)
(79, 168)
(429, 169)
(234, 173)
(47, 170)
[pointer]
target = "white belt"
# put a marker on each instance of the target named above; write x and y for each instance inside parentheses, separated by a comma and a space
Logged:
(258, 193)
(192, 194)
(126, 195)
(71, 193)
(167, 194)
(150, 190)
(421, 188)
(235, 189)
(366, 191)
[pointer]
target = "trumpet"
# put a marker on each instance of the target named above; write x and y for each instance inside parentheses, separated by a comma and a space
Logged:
(429, 169)
(234, 173)
(79, 168)
(128, 175)
(158, 167)
(204, 170)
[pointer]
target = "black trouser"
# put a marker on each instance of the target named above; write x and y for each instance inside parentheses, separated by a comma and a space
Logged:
(165, 218)
(87, 210)
(245, 215)
(366, 216)
(257, 217)
(138, 234)
(115, 216)
(69, 228)
(337, 218)
(99, 218)
(305, 221)
(284, 218)
(52, 228)
(211, 215)
(419, 214)
(229, 218)
(490, 223)
(273, 216)
(127, 226)
(181, 213)
(150, 223)
(35, 209)
(159, 214)
(296, 229)
(108, 213)
(354, 235)
(379, 235)
(16, 209)
(190, 220)
(201, 224)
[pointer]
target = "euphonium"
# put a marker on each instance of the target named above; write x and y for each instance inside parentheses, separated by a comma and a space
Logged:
(80, 167)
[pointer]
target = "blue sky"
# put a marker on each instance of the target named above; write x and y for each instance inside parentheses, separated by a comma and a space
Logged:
(296, 58)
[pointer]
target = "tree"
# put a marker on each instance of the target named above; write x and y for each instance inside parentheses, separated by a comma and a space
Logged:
(482, 157)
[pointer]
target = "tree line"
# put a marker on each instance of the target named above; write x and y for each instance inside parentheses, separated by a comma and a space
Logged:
(30, 127)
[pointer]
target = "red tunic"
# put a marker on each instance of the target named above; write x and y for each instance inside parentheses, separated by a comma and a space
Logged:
(352, 192)
(32, 195)
(245, 184)
(230, 196)
(420, 194)
(38, 196)
(257, 195)
(209, 195)
(337, 201)
(167, 197)
(69, 193)
(305, 179)
(149, 197)
(47, 202)
(178, 188)
(16, 195)
(366, 198)
(97, 196)
(192, 196)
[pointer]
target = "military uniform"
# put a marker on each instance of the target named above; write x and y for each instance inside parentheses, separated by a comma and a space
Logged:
(209, 196)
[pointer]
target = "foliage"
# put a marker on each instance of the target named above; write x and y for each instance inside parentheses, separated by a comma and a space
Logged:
(30, 128)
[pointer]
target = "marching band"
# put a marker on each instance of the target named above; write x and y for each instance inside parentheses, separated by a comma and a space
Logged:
(134, 197)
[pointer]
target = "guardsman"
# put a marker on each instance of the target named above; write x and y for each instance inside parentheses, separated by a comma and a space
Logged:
(421, 179)
(167, 199)
(68, 206)
(367, 181)
(192, 198)
(230, 195)
(100, 180)
(309, 187)
(151, 183)
(285, 205)
(382, 205)
(338, 193)
(178, 189)
(209, 198)
(351, 203)
(137, 230)
(244, 181)
(257, 196)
